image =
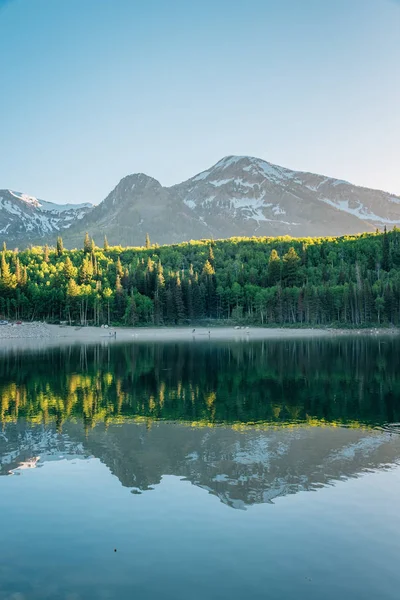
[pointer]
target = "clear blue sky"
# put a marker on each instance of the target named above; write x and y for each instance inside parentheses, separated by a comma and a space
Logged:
(92, 90)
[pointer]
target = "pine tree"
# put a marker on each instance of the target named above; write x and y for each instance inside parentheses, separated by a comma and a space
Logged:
(106, 246)
(130, 311)
(290, 267)
(208, 268)
(4, 247)
(147, 241)
(120, 270)
(274, 268)
(18, 271)
(120, 300)
(46, 254)
(178, 298)
(60, 246)
(24, 277)
(385, 251)
(86, 271)
(5, 272)
(211, 256)
(86, 244)
(69, 269)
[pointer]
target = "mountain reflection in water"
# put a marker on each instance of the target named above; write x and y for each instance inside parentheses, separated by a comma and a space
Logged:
(247, 422)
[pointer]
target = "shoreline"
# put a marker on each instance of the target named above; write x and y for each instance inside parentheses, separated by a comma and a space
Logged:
(38, 334)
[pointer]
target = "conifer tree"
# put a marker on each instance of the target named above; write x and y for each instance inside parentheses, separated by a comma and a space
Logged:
(290, 267)
(69, 269)
(86, 244)
(274, 268)
(18, 271)
(5, 273)
(208, 268)
(59, 247)
(385, 251)
(147, 241)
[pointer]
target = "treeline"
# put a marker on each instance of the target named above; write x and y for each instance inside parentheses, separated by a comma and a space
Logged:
(351, 280)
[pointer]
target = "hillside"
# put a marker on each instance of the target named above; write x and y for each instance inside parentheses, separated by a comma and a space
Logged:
(238, 196)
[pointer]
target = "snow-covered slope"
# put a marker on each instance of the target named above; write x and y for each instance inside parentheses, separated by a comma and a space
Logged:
(25, 219)
(259, 197)
(238, 196)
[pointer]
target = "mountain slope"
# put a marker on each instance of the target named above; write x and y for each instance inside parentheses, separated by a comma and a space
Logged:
(25, 219)
(238, 196)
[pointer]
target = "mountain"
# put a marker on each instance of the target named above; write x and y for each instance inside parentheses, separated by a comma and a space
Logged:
(25, 219)
(238, 196)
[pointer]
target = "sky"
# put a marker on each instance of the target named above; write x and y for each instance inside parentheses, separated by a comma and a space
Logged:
(93, 90)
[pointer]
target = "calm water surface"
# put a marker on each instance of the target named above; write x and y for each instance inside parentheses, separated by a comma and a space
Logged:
(215, 470)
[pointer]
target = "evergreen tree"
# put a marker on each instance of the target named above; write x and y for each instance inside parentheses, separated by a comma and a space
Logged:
(69, 270)
(385, 251)
(208, 269)
(130, 312)
(5, 273)
(290, 267)
(86, 271)
(120, 270)
(106, 247)
(59, 247)
(274, 268)
(87, 247)
(178, 298)
(147, 241)
(46, 254)
(18, 271)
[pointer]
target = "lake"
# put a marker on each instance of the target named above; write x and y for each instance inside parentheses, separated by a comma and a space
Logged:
(201, 470)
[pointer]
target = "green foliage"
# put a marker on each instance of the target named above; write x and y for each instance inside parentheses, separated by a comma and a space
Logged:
(352, 281)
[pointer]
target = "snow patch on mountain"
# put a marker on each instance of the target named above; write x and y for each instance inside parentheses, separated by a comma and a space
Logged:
(360, 211)
(190, 203)
(49, 206)
(23, 215)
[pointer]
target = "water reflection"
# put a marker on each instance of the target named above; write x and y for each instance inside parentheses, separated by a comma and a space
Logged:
(240, 467)
(246, 422)
(344, 381)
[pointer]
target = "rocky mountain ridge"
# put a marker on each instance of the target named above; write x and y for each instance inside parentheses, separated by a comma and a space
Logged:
(238, 196)
(25, 219)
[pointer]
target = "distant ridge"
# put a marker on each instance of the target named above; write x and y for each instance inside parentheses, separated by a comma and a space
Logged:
(238, 196)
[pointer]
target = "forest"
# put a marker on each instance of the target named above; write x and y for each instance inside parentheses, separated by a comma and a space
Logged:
(351, 281)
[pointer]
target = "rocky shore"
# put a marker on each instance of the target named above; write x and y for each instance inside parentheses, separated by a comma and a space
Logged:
(25, 331)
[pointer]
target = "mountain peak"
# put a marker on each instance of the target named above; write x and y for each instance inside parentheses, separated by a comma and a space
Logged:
(245, 166)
